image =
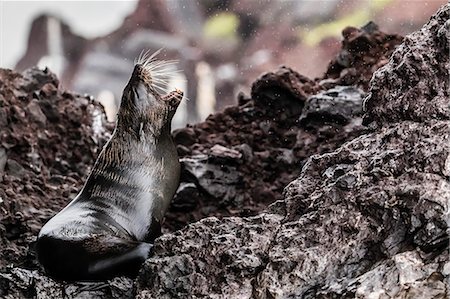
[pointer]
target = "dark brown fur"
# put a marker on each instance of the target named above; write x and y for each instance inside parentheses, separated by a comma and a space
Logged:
(107, 229)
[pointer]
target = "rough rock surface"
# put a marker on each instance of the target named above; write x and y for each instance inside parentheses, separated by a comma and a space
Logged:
(48, 141)
(415, 99)
(275, 131)
(340, 104)
(264, 141)
(22, 283)
(367, 220)
(364, 50)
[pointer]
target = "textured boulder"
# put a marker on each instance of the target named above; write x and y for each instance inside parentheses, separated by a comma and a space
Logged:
(340, 104)
(364, 50)
(416, 77)
(217, 180)
(369, 207)
(49, 139)
(22, 283)
(241, 159)
(367, 220)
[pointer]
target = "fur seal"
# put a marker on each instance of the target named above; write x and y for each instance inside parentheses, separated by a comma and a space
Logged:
(107, 230)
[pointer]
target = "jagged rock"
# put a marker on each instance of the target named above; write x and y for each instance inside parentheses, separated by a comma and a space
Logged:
(185, 136)
(340, 104)
(423, 58)
(282, 90)
(222, 153)
(232, 250)
(35, 113)
(186, 198)
(328, 234)
(367, 220)
(405, 275)
(14, 168)
(3, 159)
(23, 283)
(364, 50)
(217, 180)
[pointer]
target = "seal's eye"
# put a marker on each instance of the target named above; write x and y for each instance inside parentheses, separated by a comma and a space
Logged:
(174, 101)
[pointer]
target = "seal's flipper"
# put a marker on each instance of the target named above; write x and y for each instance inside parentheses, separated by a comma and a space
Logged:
(96, 258)
(127, 263)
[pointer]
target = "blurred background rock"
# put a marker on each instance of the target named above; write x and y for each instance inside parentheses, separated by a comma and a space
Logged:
(222, 45)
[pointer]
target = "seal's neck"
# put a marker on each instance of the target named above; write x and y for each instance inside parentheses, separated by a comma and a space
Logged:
(155, 125)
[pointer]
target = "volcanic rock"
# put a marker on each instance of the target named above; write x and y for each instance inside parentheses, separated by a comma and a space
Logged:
(48, 133)
(424, 60)
(361, 216)
(366, 220)
(364, 50)
(340, 104)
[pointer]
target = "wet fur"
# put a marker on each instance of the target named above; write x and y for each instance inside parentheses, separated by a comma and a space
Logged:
(107, 230)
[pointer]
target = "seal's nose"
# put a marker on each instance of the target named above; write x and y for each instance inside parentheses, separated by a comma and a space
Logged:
(174, 98)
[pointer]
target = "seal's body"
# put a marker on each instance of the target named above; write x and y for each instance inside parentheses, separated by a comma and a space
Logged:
(108, 228)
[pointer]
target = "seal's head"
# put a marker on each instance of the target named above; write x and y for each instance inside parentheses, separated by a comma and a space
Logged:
(145, 101)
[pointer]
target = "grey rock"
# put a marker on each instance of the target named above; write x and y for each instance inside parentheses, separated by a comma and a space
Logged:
(3, 158)
(223, 153)
(35, 113)
(217, 180)
(13, 168)
(368, 220)
(3, 114)
(186, 198)
(337, 105)
(33, 79)
(285, 156)
(186, 136)
(246, 151)
(407, 269)
(23, 283)
(414, 84)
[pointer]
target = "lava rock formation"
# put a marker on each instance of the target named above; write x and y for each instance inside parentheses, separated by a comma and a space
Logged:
(364, 213)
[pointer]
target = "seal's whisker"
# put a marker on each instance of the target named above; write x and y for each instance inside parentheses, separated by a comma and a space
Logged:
(164, 74)
(151, 58)
(185, 97)
(140, 57)
(159, 72)
(159, 62)
(168, 65)
(162, 86)
(173, 73)
(153, 64)
(147, 55)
